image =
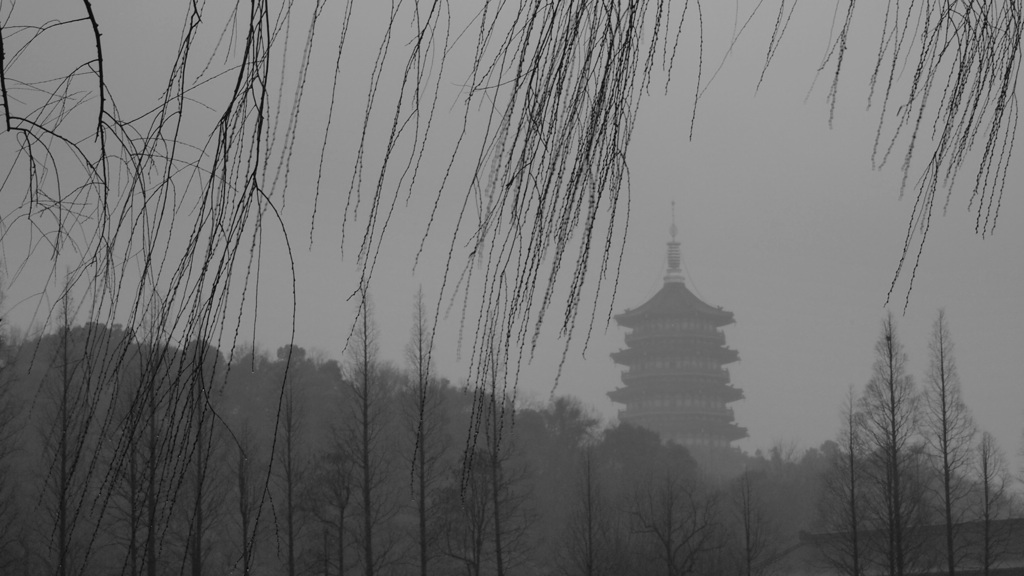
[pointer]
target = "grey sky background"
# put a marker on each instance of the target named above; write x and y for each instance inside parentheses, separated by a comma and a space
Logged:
(782, 220)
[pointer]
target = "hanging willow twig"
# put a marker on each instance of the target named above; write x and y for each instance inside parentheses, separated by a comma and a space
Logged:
(964, 63)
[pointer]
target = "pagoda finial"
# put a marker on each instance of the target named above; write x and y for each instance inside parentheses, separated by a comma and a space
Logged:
(673, 230)
(674, 273)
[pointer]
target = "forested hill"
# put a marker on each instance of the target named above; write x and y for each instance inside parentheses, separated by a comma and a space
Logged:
(146, 458)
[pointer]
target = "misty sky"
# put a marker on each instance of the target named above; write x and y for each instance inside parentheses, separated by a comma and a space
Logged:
(782, 221)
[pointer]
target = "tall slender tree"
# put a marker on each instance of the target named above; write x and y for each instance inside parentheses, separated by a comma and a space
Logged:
(246, 469)
(586, 522)
(425, 416)
(891, 409)
(760, 545)
(949, 431)
(10, 411)
(466, 516)
(201, 364)
(63, 441)
(840, 510)
(367, 441)
(153, 376)
(333, 497)
(126, 515)
(993, 480)
(291, 462)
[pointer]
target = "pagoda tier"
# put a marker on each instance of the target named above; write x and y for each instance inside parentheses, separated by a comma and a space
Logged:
(689, 394)
(675, 382)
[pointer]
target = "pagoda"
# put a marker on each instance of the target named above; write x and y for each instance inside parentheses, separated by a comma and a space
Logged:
(675, 383)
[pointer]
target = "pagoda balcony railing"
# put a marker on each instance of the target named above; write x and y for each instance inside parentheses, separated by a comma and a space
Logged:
(723, 414)
(715, 336)
(634, 374)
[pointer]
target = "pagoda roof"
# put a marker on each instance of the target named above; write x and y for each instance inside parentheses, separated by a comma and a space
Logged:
(674, 299)
(627, 356)
(631, 393)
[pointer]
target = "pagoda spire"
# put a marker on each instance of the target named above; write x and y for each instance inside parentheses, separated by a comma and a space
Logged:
(675, 271)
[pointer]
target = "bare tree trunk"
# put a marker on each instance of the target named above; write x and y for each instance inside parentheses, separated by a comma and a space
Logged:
(746, 497)
(65, 423)
(134, 511)
(244, 512)
(761, 549)
(589, 511)
(200, 478)
(327, 551)
(496, 480)
(993, 477)
(842, 504)
(289, 473)
(10, 423)
(364, 456)
(427, 421)
(151, 465)
(852, 450)
(363, 436)
(422, 503)
(341, 542)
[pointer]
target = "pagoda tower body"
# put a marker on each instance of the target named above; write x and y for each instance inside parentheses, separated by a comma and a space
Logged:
(675, 382)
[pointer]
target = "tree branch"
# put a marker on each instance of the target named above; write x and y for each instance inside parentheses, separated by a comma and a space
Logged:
(3, 83)
(99, 69)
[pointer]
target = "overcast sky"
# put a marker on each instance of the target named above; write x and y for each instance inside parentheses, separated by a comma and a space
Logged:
(782, 221)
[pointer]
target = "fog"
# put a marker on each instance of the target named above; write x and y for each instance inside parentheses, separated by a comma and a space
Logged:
(367, 178)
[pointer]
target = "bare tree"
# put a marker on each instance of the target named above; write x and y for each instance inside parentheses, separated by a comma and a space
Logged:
(291, 458)
(126, 514)
(505, 472)
(840, 510)
(759, 537)
(586, 522)
(64, 441)
(368, 442)
(334, 484)
(466, 518)
(427, 420)
(594, 539)
(890, 406)
(158, 451)
(679, 518)
(200, 363)
(496, 464)
(10, 412)
(993, 478)
(950, 434)
(247, 488)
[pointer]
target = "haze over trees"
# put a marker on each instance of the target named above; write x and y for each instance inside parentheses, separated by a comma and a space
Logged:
(164, 210)
(558, 493)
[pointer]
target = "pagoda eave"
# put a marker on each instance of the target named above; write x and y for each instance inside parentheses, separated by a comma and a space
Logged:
(636, 317)
(629, 356)
(628, 394)
(690, 426)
